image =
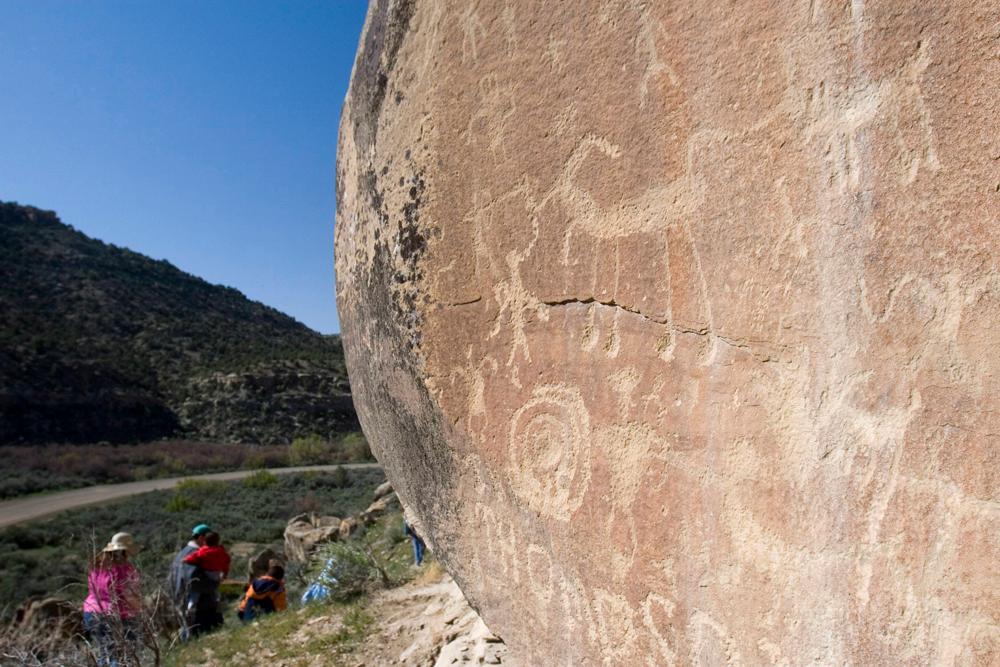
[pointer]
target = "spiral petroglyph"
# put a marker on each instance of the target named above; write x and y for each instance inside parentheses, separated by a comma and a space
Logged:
(686, 364)
(549, 462)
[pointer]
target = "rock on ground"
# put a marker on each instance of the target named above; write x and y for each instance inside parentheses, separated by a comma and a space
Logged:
(307, 531)
(429, 623)
(676, 325)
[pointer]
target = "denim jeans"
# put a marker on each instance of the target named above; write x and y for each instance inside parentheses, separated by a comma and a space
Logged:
(110, 635)
(418, 549)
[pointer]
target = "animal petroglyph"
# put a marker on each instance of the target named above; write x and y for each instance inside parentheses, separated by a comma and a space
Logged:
(691, 356)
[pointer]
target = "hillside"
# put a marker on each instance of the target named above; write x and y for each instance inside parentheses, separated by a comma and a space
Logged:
(99, 343)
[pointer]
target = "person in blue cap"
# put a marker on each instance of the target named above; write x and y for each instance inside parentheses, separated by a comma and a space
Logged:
(183, 576)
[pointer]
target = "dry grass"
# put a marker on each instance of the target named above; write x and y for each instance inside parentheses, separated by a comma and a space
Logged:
(430, 573)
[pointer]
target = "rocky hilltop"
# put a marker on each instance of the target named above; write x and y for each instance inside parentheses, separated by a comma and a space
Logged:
(677, 324)
(99, 343)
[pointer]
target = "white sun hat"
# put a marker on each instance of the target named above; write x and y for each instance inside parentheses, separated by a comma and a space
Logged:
(122, 542)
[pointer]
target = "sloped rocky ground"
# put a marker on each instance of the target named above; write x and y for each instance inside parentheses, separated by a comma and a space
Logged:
(426, 622)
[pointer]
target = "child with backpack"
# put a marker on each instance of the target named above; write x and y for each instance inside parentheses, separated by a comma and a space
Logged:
(264, 595)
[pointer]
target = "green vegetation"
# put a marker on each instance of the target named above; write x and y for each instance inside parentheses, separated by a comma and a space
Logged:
(272, 632)
(356, 625)
(380, 556)
(34, 469)
(355, 447)
(313, 450)
(262, 479)
(104, 344)
(49, 557)
(309, 450)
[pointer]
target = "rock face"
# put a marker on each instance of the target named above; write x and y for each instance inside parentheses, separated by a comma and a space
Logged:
(677, 325)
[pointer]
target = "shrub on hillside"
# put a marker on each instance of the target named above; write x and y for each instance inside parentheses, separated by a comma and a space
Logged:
(355, 447)
(180, 503)
(346, 568)
(307, 503)
(261, 479)
(338, 477)
(193, 494)
(309, 450)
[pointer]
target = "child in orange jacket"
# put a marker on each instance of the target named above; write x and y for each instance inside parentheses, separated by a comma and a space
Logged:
(264, 595)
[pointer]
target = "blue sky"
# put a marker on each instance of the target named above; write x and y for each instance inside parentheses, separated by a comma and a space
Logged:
(203, 133)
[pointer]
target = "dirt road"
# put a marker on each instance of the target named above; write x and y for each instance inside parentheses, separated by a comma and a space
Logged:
(20, 510)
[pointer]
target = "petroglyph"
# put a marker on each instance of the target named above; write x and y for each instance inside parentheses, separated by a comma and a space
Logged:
(649, 32)
(697, 361)
(616, 627)
(657, 616)
(711, 643)
(652, 210)
(911, 92)
(549, 450)
(473, 31)
(496, 107)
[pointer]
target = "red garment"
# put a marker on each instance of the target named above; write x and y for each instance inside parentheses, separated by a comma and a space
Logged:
(213, 559)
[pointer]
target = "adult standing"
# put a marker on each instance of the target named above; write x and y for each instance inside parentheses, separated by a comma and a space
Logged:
(183, 579)
(114, 601)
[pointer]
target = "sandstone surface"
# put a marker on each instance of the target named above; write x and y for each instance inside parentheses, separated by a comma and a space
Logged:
(677, 325)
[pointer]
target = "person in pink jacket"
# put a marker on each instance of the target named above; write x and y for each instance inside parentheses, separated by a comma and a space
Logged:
(114, 602)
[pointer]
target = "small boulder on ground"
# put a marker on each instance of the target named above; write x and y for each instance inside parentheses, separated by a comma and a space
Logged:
(380, 507)
(259, 564)
(347, 527)
(381, 490)
(305, 531)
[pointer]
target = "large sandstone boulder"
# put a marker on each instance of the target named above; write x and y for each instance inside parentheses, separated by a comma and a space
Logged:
(678, 324)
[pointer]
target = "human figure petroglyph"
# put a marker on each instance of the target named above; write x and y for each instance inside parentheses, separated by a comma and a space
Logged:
(909, 90)
(616, 627)
(473, 32)
(496, 107)
(711, 642)
(754, 248)
(657, 617)
(650, 31)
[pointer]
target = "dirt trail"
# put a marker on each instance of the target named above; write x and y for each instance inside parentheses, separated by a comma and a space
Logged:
(31, 508)
(428, 622)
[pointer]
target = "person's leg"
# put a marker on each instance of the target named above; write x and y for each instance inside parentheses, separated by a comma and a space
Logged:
(207, 616)
(192, 618)
(418, 550)
(131, 645)
(185, 632)
(98, 633)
